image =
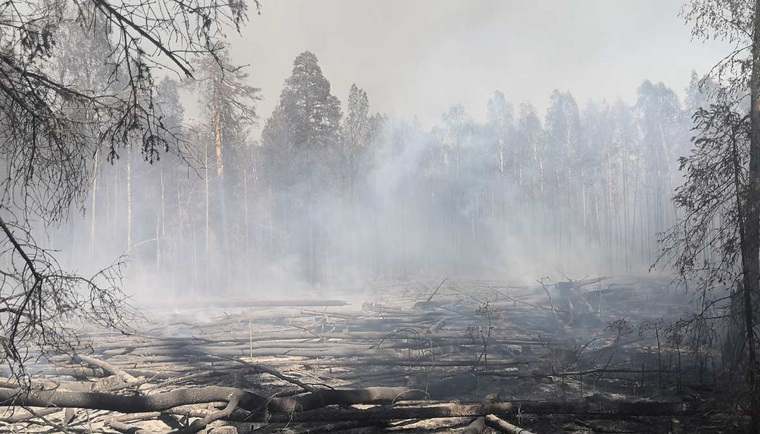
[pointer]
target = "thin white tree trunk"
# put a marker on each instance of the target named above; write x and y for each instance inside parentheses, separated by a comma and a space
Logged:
(93, 210)
(129, 198)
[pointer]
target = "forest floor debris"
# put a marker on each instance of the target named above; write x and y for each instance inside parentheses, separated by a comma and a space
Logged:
(434, 355)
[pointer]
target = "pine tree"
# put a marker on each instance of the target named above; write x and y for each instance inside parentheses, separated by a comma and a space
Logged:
(307, 123)
(229, 106)
(357, 134)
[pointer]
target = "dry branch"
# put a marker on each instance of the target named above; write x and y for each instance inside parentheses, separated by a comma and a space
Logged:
(119, 423)
(26, 415)
(268, 370)
(113, 370)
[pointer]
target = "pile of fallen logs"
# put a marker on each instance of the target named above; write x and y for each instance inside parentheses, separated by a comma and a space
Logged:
(433, 355)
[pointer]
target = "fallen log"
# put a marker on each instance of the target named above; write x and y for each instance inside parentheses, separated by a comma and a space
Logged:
(119, 422)
(26, 415)
(202, 395)
(476, 427)
(339, 426)
(244, 338)
(260, 303)
(504, 426)
(267, 370)
(323, 398)
(129, 404)
(245, 350)
(47, 423)
(424, 362)
(612, 409)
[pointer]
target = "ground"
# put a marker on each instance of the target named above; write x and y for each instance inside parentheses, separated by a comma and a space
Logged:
(572, 356)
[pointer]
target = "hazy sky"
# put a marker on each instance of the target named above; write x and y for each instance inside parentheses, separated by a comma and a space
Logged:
(418, 57)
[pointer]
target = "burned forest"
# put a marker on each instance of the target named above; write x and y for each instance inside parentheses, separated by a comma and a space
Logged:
(360, 216)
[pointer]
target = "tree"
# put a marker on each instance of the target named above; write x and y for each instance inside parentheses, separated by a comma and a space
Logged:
(717, 163)
(167, 97)
(79, 61)
(303, 134)
(355, 136)
(625, 143)
(736, 21)
(599, 188)
(660, 114)
(226, 98)
(229, 108)
(500, 115)
(501, 127)
(47, 149)
(456, 135)
(563, 134)
(708, 240)
(530, 136)
(358, 131)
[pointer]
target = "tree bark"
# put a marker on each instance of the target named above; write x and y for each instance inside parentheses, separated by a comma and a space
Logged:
(751, 252)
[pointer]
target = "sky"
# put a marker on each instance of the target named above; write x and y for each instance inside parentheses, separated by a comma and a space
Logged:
(416, 58)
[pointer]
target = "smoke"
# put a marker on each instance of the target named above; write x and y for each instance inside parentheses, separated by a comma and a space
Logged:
(441, 201)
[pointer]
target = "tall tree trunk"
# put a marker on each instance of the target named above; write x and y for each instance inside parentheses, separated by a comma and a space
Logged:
(245, 222)
(93, 210)
(626, 245)
(129, 198)
(218, 125)
(163, 200)
(208, 232)
(195, 256)
(751, 251)
(160, 225)
(180, 245)
(158, 249)
(116, 193)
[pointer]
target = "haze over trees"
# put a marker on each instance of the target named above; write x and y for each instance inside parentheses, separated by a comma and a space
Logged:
(103, 171)
(333, 195)
(326, 197)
